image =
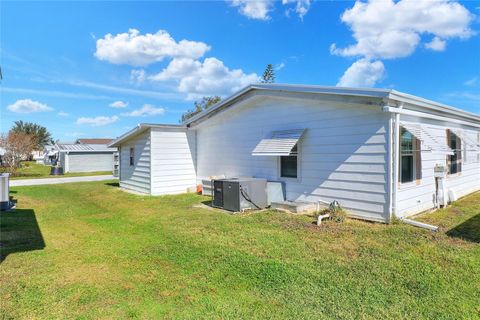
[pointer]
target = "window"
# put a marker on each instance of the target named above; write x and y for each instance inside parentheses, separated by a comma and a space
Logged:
(454, 162)
(132, 156)
(410, 157)
(406, 156)
(289, 164)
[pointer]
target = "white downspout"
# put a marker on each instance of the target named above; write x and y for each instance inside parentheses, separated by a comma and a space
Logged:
(390, 165)
(396, 161)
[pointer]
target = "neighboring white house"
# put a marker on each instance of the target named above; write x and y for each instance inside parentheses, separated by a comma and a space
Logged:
(373, 150)
(49, 153)
(85, 157)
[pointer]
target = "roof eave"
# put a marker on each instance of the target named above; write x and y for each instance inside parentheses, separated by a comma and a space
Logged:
(140, 128)
(361, 92)
(432, 105)
(384, 94)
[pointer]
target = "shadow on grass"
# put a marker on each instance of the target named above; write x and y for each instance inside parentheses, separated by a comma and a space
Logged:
(113, 184)
(208, 203)
(468, 230)
(19, 232)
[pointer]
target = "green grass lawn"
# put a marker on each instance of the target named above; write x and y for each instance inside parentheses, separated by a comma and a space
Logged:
(33, 170)
(89, 250)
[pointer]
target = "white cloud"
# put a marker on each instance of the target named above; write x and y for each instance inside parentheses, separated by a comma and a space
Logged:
(63, 114)
(97, 121)
(254, 9)
(280, 66)
(74, 134)
(51, 93)
(210, 77)
(143, 93)
(140, 50)
(362, 73)
(472, 82)
(387, 29)
(138, 76)
(118, 104)
(28, 106)
(436, 44)
(260, 9)
(191, 75)
(301, 6)
(146, 110)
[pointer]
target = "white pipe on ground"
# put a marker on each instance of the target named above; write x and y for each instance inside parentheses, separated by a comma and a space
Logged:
(321, 217)
(420, 224)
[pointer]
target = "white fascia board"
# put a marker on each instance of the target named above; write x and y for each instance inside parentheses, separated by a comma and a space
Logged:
(432, 105)
(140, 128)
(430, 116)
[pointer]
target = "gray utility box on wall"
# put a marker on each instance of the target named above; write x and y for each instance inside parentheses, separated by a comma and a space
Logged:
(238, 194)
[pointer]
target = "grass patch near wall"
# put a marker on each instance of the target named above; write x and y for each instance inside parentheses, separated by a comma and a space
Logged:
(33, 170)
(89, 250)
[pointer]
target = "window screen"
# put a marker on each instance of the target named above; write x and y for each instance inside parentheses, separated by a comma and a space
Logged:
(289, 165)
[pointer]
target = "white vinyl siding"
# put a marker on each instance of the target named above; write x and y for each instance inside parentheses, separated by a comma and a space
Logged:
(343, 152)
(136, 177)
(173, 161)
(415, 198)
(88, 161)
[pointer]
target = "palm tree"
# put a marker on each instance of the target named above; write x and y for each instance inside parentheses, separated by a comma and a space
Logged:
(40, 133)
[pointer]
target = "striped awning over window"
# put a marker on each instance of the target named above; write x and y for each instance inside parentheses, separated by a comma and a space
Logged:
(428, 142)
(470, 143)
(278, 143)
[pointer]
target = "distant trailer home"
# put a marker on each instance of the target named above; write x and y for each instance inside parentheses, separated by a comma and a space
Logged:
(379, 153)
(85, 157)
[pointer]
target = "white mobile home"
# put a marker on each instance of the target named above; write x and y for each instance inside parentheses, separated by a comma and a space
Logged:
(372, 150)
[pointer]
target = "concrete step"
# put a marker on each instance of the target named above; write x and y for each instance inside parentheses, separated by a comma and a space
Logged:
(294, 206)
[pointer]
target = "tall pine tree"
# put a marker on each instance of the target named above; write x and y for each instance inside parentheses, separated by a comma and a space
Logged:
(268, 75)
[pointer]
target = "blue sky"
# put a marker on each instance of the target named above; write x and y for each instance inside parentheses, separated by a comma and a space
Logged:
(60, 69)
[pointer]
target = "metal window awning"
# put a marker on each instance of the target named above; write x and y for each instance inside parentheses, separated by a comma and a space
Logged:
(471, 144)
(52, 153)
(428, 142)
(278, 143)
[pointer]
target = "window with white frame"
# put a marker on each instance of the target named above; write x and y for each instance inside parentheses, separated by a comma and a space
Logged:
(454, 162)
(407, 161)
(410, 157)
(289, 164)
